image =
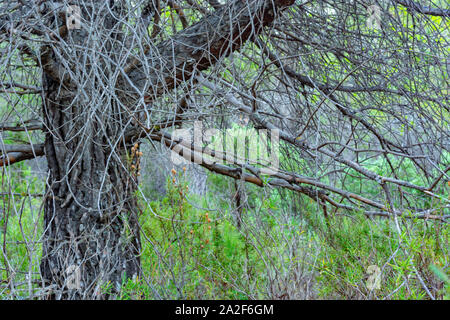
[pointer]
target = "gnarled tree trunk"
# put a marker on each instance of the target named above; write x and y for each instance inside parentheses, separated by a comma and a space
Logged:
(91, 224)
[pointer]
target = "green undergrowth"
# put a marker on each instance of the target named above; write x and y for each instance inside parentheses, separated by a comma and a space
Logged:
(365, 258)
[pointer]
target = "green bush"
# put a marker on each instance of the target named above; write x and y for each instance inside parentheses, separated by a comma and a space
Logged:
(354, 247)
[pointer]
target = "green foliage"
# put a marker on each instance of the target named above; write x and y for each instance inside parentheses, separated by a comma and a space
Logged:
(444, 277)
(351, 245)
(196, 253)
(20, 228)
(200, 253)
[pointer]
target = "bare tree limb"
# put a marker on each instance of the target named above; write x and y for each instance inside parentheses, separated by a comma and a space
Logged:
(413, 5)
(10, 154)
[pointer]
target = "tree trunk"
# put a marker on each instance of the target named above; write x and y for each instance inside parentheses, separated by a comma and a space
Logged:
(91, 226)
(90, 220)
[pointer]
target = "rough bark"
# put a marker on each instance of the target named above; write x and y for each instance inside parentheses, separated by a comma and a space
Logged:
(91, 225)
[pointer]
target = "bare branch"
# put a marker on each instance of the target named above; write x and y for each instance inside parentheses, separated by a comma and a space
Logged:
(413, 5)
(10, 154)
